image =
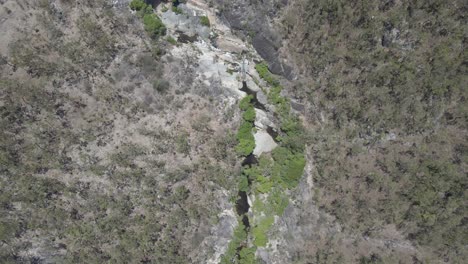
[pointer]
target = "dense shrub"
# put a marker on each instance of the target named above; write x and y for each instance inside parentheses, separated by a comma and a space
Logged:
(138, 5)
(289, 166)
(265, 74)
(154, 26)
(245, 102)
(246, 139)
(245, 133)
(274, 174)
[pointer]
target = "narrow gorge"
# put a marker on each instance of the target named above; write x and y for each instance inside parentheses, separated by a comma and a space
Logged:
(233, 131)
(268, 171)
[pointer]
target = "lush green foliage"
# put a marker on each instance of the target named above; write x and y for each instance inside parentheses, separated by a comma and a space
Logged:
(243, 183)
(141, 7)
(247, 255)
(246, 139)
(265, 74)
(244, 134)
(244, 103)
(249, 114)
(260, 229)
(153, 24)
(272, 176)
(138, 5)
(239, 237)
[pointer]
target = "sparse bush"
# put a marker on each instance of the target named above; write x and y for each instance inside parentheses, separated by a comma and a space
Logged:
(245, 102)
(182, 144)
(171, 40)
(177, 10)
(205, 21)
(153, 24)
(161, 86)
(249, 114)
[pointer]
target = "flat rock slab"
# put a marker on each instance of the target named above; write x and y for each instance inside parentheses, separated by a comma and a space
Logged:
(263, 143)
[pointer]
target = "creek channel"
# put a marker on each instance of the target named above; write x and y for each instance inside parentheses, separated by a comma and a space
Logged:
(270, 130)
(242, 204)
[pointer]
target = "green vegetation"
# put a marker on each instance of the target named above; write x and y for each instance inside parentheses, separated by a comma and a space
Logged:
(260, 229)
(205, 21)
(178, 2)
(239, 237)
(249, 114)
(244, 135)
(177, 10)
(244, 103)
(273, 174)
(246, 139)
(141, 7)
(265, 74)
(243, 183)
(277, 172)
(138, 5)
(153, 24)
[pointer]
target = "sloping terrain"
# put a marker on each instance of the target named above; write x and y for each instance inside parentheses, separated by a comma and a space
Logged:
(382, 89)
(133, 135)
(110, 149)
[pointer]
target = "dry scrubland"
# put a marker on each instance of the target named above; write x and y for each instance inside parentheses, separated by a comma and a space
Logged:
(105, 155)
(387, 106)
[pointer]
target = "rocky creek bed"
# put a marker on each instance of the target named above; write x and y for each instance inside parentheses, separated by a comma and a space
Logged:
(216, 56)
